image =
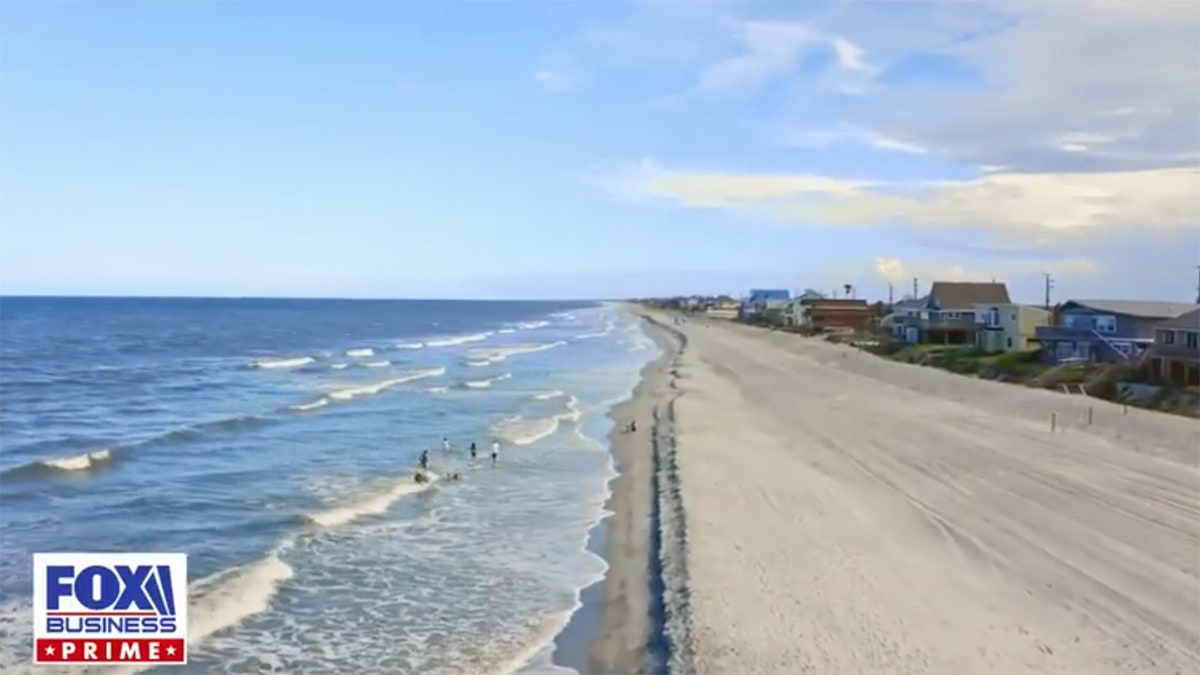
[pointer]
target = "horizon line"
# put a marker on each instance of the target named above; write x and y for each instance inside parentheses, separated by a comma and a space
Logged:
(58, 296)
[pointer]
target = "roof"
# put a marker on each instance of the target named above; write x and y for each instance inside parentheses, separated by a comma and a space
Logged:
(912, 303)
(1145, 309)
(1188, 321)
(835, 303)
(759, 294)
(962, 294)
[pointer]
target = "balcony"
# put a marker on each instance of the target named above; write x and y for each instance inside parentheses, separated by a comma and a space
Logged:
(960, 323)
(1065, 334)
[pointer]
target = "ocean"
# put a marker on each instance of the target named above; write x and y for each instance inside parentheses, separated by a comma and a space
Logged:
(274, 441)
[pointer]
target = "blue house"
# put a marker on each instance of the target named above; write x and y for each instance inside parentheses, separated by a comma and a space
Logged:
(1105, 330)
(761, 301)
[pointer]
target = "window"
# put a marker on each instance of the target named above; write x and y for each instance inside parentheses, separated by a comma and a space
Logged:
(1167, 336)
(1010, 343)
(1106, 324)
(993, 317)
(1191, 340)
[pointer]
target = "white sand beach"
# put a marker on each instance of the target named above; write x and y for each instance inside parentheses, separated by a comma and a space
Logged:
(847, 514)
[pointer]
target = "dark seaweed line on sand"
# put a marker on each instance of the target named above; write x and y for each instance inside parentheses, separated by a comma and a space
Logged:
(670, 649)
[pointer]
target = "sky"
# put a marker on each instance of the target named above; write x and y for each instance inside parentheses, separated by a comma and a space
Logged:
(598, 149)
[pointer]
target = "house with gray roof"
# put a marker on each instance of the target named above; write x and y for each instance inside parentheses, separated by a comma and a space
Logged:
(1110, 331)
(1175, 356)
(947, 315)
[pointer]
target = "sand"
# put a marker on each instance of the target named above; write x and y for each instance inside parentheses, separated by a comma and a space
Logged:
(629, 635)
(848, 514)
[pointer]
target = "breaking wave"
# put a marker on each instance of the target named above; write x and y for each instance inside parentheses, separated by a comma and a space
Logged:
(370, 504)
(498, 354)
(411, 345)
(482, 384)
(84, 461)
(362, 351)
(547, 395)
(461, 340)
(375, 364)
(376, 387)
(290, 362)
(319, 403)
(519, 430)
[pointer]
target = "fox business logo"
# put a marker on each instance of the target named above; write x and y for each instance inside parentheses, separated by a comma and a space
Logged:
(110, 608)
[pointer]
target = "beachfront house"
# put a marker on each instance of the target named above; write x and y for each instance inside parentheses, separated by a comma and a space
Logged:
(796, 312)
(948, 313)
(1008, 327)
(830, 314)
(1175, 355)
(763, 304)
(1111, 331)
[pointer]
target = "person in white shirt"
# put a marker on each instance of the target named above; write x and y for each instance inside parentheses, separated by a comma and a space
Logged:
(495, 451)
(445, 444)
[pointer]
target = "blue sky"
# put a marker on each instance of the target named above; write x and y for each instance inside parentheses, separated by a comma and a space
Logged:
(596, 149)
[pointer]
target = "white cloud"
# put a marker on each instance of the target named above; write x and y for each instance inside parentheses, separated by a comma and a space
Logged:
(1001, 210)
(1120, 74)
(558, 80)
(894, 271)
(848, 133)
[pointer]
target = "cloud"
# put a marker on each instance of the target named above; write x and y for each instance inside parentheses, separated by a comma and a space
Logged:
(558, 80)
(770, 50)
(894, 271)
(848, 133)
(1001, 210)
(1087, 85)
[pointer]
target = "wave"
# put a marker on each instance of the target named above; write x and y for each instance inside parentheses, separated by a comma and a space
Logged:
(321, 402)
(289, 362)
(507, 331)
(369, 505)
(361, 351)
(411, 345)
(375, 364)
(376, 387)
(436, 390)
(477, 364)
(227, 424)
(482, 384)
(589, 336)
(339, 366)
(84, 461)
(519, 430)
(547, 395)
(230, 596)
(461, 340)
(530, 325)
(498, 354)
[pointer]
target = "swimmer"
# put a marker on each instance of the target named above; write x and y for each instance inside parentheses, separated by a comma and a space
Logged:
(473, 450)
(445, 444)
(420, 478)
(495, 451)
(424, 459)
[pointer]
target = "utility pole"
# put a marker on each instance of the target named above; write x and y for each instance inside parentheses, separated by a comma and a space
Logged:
(890, 291)
(915, 294)
(1049, 285)
(1198, 284)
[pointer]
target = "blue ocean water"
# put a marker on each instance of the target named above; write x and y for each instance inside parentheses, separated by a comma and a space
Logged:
(274, 441)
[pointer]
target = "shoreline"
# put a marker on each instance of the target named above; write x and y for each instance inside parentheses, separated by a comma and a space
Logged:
(621, 624)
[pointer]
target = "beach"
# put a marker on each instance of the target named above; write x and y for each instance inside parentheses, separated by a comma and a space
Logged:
(629, 638)
(845, 513)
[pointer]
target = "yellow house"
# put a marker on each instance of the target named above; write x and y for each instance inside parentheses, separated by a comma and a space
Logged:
(1008, 327)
